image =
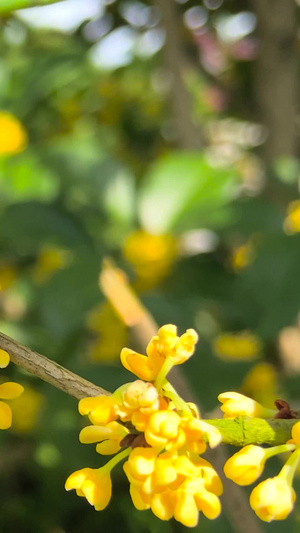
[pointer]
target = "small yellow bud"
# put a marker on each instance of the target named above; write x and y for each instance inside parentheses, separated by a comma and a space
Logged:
(272, 499)
(245, 466)
(235, 404)
(94, 484)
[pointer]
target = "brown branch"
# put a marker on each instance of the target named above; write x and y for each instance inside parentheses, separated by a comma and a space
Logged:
(49, 371)
(276, 81)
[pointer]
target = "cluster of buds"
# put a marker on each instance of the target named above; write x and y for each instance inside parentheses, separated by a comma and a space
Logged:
(8, 391)
(273, 498)
(161, 436)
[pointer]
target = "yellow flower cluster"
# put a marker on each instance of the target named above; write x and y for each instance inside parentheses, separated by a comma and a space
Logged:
(244, 346)
(273, 498)
(8, 391)
(160, 434)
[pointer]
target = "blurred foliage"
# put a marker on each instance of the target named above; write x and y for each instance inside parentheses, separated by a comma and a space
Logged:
(90, 167)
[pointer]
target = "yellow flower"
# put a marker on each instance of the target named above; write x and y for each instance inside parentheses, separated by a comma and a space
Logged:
(111, 333)
(192, 497)
(4, 359)
(292, 221)
(235, 404)
(8, 391)
(237, 346)
(166, 345)
(173, 485)
(26, 410)
(140, 466)
(195, 430)
(108, 436)
(242, 256)
(141, 395)
(246, 466)
(296, 433)
(93, 484)
(13, 136)
(164, 430)
(151, 255)
(273, 499)
(100, 409)
(8, 275)
(50, 259)
(138, 401)
(261, 383)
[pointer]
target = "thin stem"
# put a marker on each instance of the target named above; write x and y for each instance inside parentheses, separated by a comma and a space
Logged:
(116, 459)
(49, 371)
(179, 403)
(276, 450)
(290, 467)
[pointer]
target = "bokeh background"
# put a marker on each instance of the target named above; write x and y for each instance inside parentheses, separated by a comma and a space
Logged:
(163, 138)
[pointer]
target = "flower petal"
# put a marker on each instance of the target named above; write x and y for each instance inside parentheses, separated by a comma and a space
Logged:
(5, 416)
(4, 359)
(10, 390)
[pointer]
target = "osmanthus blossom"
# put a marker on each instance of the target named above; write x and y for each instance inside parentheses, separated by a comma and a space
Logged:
(160, 435)
(8, 391)
(163, 438)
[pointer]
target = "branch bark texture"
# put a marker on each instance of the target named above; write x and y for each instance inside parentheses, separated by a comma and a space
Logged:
(48, 370)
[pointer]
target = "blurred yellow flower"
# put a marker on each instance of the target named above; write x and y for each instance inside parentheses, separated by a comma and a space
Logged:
(111, 333)
(13, 136)
(242, 256)
(8, 391)
(243, 346)
(8, 275)
(26, 410)
(292, 220)
(151, 256)
(50, 259)
(261, 384)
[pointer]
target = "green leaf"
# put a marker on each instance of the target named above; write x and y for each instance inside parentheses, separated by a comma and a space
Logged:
(28, 226)
(25, 178)
(183, 191)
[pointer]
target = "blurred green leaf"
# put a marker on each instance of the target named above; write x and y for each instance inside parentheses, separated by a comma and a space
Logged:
(182, 191)
(25, 178)
(27, 226)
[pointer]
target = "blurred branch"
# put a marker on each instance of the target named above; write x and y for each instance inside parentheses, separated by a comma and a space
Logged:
(7, 6)
(276, 75)
(49, 371)
(189, 136)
